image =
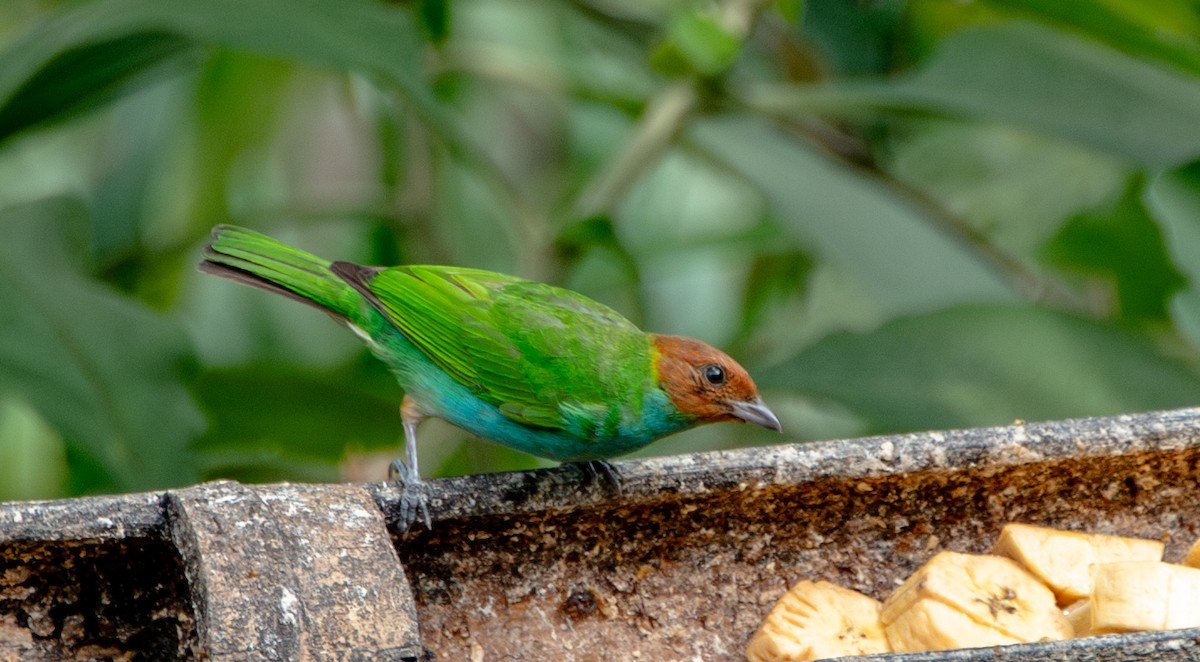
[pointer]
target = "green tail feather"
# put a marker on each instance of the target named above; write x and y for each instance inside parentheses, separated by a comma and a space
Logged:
(260, 261)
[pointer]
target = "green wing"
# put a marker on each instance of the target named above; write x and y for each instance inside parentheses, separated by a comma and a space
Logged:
(545, 356)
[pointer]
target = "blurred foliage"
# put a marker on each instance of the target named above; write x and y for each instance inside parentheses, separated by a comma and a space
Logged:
(899, 215)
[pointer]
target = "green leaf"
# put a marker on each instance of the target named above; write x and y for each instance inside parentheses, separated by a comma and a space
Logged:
(704, 42)
(894, 259)
(775, 288)
(1157, 34)
(1013, 187)
(596, 233)
(103, 370)
(435, 18)
(1173, 198)
(1061, 85)
(33, 461)
(696, 42)
(789, 10)
(84, 76)
(854, 39)
(296, 413)
(1032, 77)
(600, 266)
(367, 37)
(1122, 247)
(986, 365)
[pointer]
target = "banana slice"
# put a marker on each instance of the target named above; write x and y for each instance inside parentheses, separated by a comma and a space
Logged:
(934, 625)
(817, 620)
(1061, 558)
(1192, 558)
(1144, 595)
(967, 600)
(1079, 613)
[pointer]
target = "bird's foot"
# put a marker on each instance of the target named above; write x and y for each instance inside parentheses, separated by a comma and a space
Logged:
(602, 472)
(414, 500)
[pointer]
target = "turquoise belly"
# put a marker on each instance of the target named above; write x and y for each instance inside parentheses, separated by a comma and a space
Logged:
(440, 395)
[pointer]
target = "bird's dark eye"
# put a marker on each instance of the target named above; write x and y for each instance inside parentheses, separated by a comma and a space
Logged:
(714, 373)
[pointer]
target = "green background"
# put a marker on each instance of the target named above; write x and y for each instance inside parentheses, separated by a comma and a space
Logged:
(898, 215)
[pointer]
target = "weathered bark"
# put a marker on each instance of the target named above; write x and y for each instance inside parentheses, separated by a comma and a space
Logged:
(292, 572)
(549, 565)
(220, 571)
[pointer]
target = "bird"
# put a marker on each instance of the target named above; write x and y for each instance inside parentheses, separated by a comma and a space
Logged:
(534, 367)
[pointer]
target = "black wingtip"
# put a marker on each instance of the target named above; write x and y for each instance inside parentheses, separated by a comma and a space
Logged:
(359, 277)
(354, 274)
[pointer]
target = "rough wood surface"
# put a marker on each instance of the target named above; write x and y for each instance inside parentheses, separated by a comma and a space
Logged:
(93, 600)
(292, 572)
(91, 579)
(552, 565)
(219, 571)
(686, 563)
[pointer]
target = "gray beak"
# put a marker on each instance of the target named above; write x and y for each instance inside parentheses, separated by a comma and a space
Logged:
(755, 412)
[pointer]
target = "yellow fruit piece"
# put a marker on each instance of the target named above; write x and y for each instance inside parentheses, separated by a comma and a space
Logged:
(1144, 595)
(1192, 558)
(932, 625)
(1079, 613)
(818, 620)
(996, 600)
(1061, 558)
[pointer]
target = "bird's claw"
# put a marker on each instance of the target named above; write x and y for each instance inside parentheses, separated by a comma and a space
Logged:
(414, 503)
(601, 471)
(414, 500)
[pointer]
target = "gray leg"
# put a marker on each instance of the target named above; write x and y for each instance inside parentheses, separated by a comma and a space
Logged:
(414, 502)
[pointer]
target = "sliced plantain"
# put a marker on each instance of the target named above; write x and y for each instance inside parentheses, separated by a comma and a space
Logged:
(1192, 558)
(1079, 613)
(1144, 595)
(967, 600)
(933, 625)
(1061, 558)
(818, 620)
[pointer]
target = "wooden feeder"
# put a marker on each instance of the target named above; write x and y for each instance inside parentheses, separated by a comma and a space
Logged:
(549, 565)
